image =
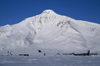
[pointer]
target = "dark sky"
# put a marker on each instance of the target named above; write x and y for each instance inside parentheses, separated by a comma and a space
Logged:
(14, 11)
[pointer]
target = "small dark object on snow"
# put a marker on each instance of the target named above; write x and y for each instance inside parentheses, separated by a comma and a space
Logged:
(88, 53)
(8, 51)
(23, 54)
(44, 54)
(58, 54)
(39, 51)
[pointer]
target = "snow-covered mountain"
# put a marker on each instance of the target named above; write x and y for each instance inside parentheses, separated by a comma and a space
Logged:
(50, 32)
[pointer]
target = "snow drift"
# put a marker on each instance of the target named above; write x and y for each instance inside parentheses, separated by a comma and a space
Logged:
(50, 31)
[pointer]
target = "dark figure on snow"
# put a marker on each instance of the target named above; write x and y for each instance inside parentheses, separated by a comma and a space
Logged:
(44, 54)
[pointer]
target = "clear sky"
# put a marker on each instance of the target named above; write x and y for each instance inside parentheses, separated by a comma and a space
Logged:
(14, 11)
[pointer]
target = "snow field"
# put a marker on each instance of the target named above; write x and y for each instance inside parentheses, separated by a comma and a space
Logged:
(50, 61)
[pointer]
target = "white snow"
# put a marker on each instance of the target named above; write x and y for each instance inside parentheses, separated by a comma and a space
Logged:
(49, 61)
(50, 33)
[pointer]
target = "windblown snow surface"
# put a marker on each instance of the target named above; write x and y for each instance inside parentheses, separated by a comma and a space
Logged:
(50, 61)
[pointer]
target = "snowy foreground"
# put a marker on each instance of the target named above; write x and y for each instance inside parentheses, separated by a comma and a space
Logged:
(49, 60)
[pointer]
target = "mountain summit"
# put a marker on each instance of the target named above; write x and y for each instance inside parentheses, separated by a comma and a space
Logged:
(48, 11)
(50, 31)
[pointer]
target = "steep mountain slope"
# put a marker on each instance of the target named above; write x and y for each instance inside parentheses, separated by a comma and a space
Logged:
(50, 31)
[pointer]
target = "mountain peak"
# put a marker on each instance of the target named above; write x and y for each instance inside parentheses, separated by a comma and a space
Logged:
(49, 11)
(50, 31)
